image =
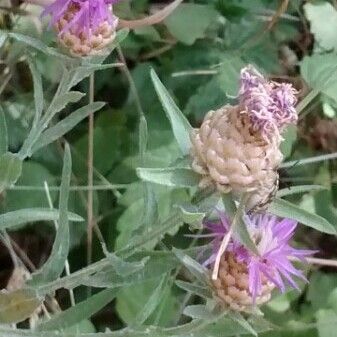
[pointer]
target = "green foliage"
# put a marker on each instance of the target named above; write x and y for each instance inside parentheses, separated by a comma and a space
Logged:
(146, 275)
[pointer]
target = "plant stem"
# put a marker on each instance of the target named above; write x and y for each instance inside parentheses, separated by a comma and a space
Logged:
(319, 262)
(90, 216)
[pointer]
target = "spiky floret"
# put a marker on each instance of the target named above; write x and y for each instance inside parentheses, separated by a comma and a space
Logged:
(269, 105)
(256, 275)
(84, 27)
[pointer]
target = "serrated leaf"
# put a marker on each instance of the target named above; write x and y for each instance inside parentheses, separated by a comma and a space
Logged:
(18, 305)
(54, 266)
(285, 209)
(10, 170)
(80, 311)
(65, 125)
(171, 176)
(3, 133)
(16, 218)
(179, 123)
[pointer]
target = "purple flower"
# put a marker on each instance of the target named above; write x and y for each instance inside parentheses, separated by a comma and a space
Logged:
(271, 236)
(270, 105)
(82, 16)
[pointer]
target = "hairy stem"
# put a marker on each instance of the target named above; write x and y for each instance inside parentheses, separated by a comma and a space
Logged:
(90, 215)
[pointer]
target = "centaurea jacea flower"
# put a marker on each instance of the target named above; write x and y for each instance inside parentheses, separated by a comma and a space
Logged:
(269, 105)
(85, 27)
(237, 148)
(246, 279)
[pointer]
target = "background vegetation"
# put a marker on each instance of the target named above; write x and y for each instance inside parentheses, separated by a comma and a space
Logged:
(144, 289)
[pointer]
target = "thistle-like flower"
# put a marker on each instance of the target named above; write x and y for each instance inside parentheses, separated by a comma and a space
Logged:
(237, 147)
(269, 105)
(85, 27)
(246, 279)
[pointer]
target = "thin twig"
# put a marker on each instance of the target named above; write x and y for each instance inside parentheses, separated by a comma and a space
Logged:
(203, 72)
(128, 75)
(71, 189)
(310, 160)
(90, 215)
(318, 261)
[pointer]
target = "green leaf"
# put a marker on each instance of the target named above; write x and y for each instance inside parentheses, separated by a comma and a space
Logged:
(196, 289)
(124, 268)
(172, 176)
(191, 214)
(65, 125)
(80, 311)
(199, 311)
(3, 133)
(37, 44)
(285, 209)
(54, 266)
(152, 302)
(179, 123)
(38, 90)
(61, 101)
(18, 305)
(320, 72)
(323, 24)
(196, 269)
(33, 175)
(23, 216)
(132, 300)
(238, 223)
(10, 170)
(326, 322)
(290, 136)
(190, 21)
(237, 317)
(299, 189)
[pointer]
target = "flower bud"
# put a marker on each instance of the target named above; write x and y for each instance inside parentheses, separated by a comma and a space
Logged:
(230, 155)
(85, 27)
(237, 147)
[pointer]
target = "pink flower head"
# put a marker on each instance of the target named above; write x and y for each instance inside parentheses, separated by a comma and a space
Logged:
(271, 236)
(89, 14)
(270, 105)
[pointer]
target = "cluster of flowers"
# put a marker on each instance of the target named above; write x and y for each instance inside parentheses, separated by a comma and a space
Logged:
(237, 149)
